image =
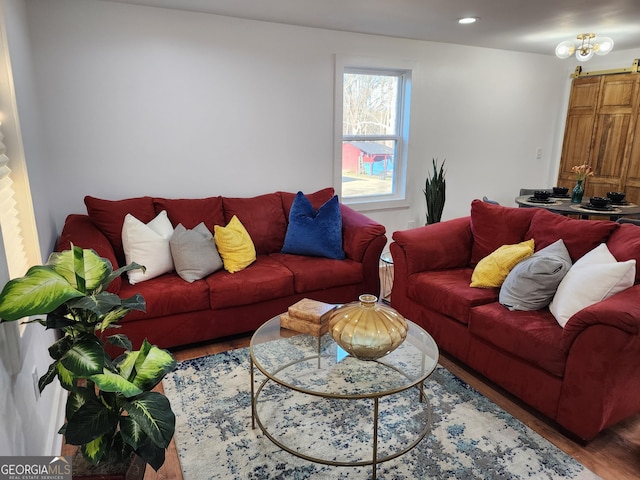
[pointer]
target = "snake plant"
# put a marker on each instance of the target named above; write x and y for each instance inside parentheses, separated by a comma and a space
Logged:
(434, 193)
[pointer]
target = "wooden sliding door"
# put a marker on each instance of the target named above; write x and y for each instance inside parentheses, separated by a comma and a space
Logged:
(602, 131)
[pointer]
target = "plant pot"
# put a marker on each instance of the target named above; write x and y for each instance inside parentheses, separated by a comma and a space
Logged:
(131, 469)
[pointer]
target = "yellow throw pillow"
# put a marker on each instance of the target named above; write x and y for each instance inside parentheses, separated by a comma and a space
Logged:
(493, 269)
(234, 245)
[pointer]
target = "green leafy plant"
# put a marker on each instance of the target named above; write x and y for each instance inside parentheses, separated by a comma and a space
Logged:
(111, 410)
(434, 193)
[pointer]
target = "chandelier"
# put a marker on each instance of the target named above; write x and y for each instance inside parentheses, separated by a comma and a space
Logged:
(585, 47)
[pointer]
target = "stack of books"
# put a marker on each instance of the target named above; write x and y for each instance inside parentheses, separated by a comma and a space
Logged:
(308, 316)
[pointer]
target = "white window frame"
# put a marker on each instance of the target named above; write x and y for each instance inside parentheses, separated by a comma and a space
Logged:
(365, 65)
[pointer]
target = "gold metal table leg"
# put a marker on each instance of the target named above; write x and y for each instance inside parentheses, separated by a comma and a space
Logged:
(375, 438)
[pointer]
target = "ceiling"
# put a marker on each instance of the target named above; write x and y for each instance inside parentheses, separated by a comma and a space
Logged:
(521, 25)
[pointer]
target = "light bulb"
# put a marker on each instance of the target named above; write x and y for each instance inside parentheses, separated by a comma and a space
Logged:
(586, 56)
(565, 49)
(603, 46)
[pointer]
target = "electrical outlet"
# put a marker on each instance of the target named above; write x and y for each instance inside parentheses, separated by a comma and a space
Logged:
(411, 224)
(35, 377)
(538, 153)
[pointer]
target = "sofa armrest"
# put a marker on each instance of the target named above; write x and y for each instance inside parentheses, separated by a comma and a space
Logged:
(621, 311)
(437, 246)
(80, 231)
(358, 232)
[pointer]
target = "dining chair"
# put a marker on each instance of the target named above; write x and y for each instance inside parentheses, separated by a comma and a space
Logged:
(635, 221)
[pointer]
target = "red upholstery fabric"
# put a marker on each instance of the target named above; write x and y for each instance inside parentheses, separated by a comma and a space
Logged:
(263, 280)
(494, 225)
(537, 387)
(585, 376)
(316, 273)
(317, 199)
(601, 384)
(192, 211)
(624, 244)
(166, 295)
(80, 231)
(533, 336)
(358, 231)
(108, 215)
(620, 311)
(448, 292)
(579, 236)
(179, 313)
(262, 216)
(424, 249)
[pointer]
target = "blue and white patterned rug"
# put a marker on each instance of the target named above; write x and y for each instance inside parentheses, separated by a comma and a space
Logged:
(471, 438)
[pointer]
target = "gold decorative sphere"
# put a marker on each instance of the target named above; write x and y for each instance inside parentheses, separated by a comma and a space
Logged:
(367, 329)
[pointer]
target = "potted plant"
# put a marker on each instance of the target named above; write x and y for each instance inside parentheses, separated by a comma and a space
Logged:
(434, 193)
(111, 411)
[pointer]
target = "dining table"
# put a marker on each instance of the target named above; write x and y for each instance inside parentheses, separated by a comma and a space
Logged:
(562, 205)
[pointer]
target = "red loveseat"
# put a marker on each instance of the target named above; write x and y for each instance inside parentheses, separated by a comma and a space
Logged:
(222, 304)
(585, 376)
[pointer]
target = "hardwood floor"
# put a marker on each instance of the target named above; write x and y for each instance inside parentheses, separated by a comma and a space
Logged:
(613, 455)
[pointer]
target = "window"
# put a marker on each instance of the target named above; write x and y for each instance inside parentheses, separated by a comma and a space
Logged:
(372, 125)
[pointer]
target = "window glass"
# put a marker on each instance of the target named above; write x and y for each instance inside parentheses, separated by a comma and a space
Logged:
(374, 127)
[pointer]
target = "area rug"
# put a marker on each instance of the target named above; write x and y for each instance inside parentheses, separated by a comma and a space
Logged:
(470, 438)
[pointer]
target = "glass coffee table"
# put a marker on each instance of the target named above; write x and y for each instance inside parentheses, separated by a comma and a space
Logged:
(315, 401)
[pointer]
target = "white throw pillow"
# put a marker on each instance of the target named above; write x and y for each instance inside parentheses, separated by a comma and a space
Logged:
(593, 278)
(147, 245)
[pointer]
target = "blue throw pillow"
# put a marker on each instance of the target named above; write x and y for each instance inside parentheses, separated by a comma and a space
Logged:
(318, 234)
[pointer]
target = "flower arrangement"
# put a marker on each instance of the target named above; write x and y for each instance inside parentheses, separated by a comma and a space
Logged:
(582, 171)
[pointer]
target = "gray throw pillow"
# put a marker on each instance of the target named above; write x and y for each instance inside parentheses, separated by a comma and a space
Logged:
(194, 252)
(533, 282)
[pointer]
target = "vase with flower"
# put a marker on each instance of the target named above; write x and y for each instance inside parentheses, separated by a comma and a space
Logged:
(582, 173)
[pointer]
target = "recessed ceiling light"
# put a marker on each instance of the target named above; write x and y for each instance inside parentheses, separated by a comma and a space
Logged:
(467, 20)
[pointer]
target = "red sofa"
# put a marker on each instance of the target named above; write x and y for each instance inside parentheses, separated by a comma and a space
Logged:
(585, 376)
(222, 304)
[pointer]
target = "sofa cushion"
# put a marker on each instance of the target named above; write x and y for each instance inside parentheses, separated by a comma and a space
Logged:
(312, 232)
(108, 216)
(315, 273)
(494, 225)
(167, 295)
(534, 336)
(579, 236)
(317, 199)
(147, 244)
(80, 231)
(493, 269)
(533, 282)
(234, 245)
(448, 292)
(593, 278)
(194, 252)
(265, 280)
(624, 244)
(191, 211)
(262, 216)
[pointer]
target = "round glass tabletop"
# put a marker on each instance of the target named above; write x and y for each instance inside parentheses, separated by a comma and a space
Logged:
(318, 366)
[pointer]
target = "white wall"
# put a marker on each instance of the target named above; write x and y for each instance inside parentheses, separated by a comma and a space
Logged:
(28, 425)
(139, 100)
